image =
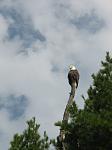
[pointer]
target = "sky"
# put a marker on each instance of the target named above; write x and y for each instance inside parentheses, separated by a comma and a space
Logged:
(38, 41)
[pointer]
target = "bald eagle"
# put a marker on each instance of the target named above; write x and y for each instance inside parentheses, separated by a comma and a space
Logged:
(73, 78)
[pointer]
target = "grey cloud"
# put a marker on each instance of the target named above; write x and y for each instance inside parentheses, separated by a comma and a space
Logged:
(43, 75)
(15, 105)
(89, 22)
(21, 27)
(55, 68)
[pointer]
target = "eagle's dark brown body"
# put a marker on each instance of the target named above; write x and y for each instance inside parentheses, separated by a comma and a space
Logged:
(73, 77)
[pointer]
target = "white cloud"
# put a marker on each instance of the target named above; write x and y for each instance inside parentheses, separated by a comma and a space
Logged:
(3, 27)
(32, 74)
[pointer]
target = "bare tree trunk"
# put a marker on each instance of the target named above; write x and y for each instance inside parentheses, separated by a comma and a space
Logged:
(66, 114)
(70, 102)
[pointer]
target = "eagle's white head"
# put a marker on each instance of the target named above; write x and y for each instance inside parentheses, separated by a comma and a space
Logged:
(72, 67)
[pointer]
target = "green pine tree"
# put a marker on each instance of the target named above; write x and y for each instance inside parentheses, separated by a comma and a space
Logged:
(91, 128)
(30, 139)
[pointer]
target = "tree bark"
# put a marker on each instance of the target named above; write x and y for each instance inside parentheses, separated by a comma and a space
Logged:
(70, 102)
(66, 114)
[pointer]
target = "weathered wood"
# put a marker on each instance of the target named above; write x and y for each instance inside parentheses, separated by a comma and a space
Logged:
(70, 102)
(66, 114)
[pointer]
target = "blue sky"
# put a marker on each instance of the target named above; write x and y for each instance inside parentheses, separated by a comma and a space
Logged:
(38, 41)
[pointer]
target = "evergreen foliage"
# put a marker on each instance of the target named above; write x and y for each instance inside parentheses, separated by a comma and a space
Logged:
(30, 139)
(91, 128)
